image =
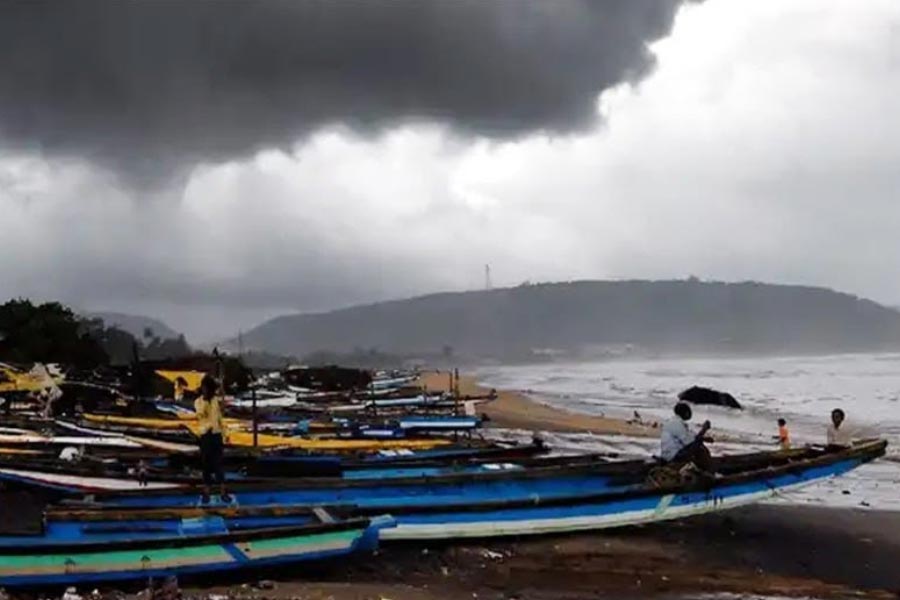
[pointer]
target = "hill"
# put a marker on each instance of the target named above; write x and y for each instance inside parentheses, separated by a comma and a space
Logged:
(581, 316)
(136, 325)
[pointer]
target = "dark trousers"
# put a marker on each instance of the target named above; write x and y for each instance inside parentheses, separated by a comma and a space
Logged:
(211, 450)
(695, 452)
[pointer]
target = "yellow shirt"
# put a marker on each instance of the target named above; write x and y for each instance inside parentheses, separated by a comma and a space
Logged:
(209, 414)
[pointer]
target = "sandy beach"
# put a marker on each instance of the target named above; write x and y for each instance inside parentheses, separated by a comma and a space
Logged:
(514, 410)
(763, 551)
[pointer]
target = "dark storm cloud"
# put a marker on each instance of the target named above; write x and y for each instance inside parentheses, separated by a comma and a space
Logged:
(148, 87)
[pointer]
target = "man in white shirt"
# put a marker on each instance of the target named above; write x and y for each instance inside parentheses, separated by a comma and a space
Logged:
(678, 444)
(837, 435)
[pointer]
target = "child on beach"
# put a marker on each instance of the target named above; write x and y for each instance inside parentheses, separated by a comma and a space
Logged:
(836, 435)
(784, 436)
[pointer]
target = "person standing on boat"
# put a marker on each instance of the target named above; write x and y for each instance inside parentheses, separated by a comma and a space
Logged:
(212, 445)
(836, 435)
(677, 444)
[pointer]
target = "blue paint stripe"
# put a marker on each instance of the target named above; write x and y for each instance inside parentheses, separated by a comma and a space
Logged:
(235, 553)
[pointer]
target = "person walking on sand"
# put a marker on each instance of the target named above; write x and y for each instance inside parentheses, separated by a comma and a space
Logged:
(212, 445)
(784, 436)
(837, 434)
(678, 444)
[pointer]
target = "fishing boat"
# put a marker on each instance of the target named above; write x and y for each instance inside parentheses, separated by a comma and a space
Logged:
(76, 547)
(747, 481)
(153, 469)
(389, 381)
(548, 499)
(238, 434)
(284, 464)
(372, 427)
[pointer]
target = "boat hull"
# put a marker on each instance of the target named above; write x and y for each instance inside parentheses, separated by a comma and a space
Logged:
(74, 564)
(573, 514)
(555, 500)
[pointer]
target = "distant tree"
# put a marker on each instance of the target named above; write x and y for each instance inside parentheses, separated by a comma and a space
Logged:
(171, 348)
(255, 359)
(118, 344)
(371, 358)
(47, 332)
(51, 332)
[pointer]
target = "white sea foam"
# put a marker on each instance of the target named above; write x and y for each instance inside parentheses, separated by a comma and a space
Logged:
(803, 390)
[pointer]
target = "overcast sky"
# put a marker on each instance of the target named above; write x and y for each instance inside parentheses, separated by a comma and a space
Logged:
(216, 164)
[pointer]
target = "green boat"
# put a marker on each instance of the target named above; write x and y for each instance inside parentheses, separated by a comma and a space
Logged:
(140, 546)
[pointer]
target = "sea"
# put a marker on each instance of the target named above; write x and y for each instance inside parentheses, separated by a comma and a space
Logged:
(801, 389)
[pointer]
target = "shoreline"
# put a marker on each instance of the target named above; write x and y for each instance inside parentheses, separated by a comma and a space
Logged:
(515, 410)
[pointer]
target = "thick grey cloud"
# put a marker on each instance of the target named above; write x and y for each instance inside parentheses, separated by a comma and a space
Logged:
(148, 88)
(761, 147)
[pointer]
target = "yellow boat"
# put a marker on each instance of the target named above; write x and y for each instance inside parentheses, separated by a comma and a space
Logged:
(179, 423)
(16, 380)
(20, 451)
(238, 435)
(244, 439)
(192, 379)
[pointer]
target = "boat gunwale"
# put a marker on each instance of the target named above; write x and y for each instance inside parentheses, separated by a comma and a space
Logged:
(49, 464)
(88, 513)
(591, 464)
(181, 541)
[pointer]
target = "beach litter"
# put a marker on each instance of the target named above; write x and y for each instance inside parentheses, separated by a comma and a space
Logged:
(71, 593)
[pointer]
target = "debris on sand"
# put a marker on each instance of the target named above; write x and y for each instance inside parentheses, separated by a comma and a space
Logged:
(492, 555)
(71, 593)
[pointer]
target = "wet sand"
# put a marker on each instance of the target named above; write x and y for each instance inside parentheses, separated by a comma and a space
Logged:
(514, 410)
(764, 550)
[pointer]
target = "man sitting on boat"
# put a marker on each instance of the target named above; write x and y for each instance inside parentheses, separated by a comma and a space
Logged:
(677, 444)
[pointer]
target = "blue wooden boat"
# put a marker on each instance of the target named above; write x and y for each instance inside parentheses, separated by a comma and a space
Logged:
(169, 472)
(628, 505)
(78, 547)
(560, 498)
(553, 494)
(288, 464)
(446, 484)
